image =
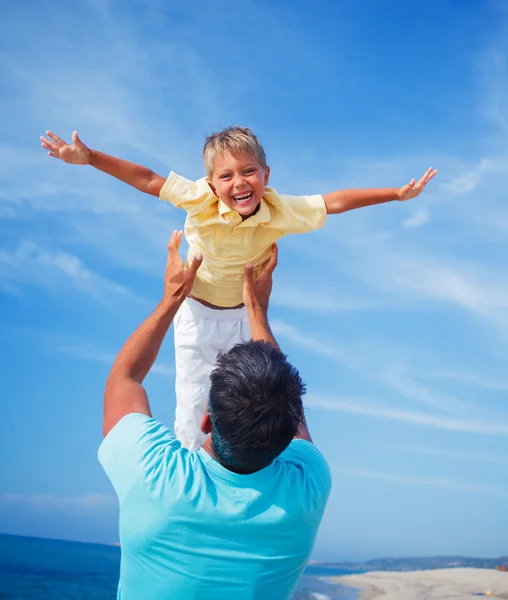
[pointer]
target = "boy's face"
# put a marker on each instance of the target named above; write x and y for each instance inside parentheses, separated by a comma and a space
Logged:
(239, 181)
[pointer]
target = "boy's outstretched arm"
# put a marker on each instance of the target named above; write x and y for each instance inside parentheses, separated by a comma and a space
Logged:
(343, 200)
(78, 154)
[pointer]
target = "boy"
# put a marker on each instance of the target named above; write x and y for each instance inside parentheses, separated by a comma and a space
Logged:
(232, 218)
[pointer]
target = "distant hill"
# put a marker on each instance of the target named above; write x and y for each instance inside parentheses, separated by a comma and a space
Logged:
(419, 564)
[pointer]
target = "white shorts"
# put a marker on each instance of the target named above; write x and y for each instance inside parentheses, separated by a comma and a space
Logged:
(201, 333)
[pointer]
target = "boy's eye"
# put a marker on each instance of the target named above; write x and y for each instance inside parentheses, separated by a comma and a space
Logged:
(250, 171)
(225, 176)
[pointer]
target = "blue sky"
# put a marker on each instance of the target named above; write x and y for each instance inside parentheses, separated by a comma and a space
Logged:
(397, 316)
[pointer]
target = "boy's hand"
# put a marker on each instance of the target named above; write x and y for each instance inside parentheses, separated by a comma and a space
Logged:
(413, 189)
(178, 280)
(75, 154)
(256, 292)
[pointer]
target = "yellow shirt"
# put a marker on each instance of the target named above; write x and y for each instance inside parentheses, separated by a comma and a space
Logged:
(226, 242)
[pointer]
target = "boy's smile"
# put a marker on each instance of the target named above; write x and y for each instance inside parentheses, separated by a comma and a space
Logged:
(239, 181)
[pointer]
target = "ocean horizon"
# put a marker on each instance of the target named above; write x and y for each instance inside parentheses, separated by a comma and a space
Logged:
(33, 568)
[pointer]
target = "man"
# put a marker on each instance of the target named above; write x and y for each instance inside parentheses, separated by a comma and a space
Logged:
(236, 519)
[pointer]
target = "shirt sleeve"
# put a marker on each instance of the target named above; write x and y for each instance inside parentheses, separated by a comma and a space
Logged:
(314, 467)
(192, 196)
(135, 446)
(301, 214)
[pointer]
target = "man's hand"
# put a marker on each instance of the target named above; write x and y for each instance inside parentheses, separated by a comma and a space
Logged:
(413, 189)
(75, 154)
(256, 292)
(178, 280)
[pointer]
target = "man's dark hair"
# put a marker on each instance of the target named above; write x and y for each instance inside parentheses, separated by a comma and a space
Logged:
(255, 405)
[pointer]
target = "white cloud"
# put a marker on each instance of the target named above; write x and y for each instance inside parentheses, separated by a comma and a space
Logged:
(471, 179)
(479, 289)
(488, 383)
(90, 353)
(358, 406)
(458, 486)
(28, 264)
(457, 454)
(418, 219)
(491, 68)
(287, 295)
(374, 362)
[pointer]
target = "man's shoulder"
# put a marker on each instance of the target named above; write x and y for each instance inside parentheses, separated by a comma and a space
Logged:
(303, 450)
(310, 470)
(139, 447)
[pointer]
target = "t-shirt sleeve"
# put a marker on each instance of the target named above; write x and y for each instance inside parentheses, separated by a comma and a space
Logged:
(303, 213)
(192, 196)
(315, 469)
(134, 447)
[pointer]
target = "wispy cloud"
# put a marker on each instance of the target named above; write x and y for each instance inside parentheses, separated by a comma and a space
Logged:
(290, 296)
(480, 290)
(373, 363)
(358, 406)
(91, 353)
(491, 70)
(457, 486)
(466, 378)
(471, 179)
(457, 454)
(418, 219)
(28, 264)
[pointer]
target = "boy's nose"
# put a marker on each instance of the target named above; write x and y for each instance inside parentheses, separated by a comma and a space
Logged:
(239, 181)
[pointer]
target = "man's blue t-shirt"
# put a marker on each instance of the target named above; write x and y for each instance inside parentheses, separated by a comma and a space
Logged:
(191, 529)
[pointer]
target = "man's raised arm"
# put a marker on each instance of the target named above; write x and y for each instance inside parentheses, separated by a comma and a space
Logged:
(77, 153)
(256, 296)
(124, 392)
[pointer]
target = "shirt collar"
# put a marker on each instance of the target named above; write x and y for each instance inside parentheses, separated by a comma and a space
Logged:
(262, 216)
(223, 208)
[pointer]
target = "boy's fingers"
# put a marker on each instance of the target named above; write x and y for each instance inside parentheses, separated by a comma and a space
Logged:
(430, 173)
(48, 145)
(54, 137)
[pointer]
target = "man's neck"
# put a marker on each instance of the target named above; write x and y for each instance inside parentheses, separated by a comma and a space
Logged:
(208, 447)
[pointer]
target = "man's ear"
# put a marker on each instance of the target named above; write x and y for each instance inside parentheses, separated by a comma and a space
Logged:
(267, 175)
(209, 181)
(206, 424)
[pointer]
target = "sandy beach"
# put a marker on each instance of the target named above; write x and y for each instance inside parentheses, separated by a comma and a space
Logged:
(441, 584)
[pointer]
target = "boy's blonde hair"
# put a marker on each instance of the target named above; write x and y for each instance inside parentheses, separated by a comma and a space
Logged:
(232, 139)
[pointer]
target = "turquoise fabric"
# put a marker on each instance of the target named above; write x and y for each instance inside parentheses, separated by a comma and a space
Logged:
(190, 529)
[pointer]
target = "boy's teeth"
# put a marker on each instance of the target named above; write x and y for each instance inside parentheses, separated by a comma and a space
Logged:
(243, 197)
